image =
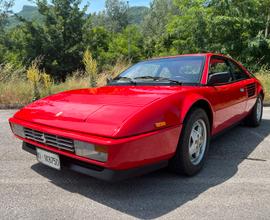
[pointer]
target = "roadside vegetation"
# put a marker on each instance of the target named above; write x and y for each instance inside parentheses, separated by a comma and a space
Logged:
(264, 76)
(19, 87)
(60, 47)
(27, 85)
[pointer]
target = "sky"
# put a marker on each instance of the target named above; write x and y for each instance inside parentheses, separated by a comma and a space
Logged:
(95, 5)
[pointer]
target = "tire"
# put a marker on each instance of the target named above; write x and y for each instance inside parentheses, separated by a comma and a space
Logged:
(184, 162)
(255, 117)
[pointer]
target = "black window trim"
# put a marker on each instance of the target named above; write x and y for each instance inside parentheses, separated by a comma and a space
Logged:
(226, 59)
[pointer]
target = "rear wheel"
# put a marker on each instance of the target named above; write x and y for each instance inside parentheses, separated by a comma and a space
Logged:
(193, 144)
(255, 116)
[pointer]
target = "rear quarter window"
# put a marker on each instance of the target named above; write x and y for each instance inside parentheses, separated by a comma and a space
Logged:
(237, 72)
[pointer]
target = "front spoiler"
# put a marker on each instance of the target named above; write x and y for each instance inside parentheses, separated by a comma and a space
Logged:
(98, 171)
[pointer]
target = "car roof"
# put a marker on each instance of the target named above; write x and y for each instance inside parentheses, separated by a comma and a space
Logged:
(194, 54)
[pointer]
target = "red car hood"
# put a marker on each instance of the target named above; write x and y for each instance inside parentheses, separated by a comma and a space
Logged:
(101, 111)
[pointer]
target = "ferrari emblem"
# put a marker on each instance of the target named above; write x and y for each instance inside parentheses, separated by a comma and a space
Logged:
(58, 114)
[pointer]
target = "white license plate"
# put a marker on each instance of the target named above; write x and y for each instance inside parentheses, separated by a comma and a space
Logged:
(48, 158)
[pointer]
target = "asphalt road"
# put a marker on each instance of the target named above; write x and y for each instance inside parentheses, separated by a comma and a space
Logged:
(235, 184)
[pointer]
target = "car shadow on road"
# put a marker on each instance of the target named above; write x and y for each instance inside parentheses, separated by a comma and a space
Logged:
(153, 195)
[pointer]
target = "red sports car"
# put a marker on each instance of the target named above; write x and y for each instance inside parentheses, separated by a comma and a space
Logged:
(158, 112)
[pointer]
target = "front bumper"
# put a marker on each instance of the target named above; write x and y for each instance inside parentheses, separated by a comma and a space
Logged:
(124, 154)
(97, 171)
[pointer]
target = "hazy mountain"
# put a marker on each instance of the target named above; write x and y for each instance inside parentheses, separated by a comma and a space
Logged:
(136, 15)
(28, 12)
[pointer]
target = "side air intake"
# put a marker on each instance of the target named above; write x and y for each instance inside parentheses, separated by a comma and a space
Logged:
(251, 89)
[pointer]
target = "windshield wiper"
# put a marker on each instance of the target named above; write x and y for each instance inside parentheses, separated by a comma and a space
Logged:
(125, 79)
(158, 78)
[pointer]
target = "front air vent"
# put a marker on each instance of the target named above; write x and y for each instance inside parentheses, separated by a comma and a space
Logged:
(251, 89)
(49, 139)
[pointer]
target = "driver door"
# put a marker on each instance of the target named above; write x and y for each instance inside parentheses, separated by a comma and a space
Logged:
(229, 99)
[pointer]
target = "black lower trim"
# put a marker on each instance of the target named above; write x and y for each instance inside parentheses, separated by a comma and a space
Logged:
(98, 171)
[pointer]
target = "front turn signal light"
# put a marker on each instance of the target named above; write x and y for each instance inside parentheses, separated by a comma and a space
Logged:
(160, 124)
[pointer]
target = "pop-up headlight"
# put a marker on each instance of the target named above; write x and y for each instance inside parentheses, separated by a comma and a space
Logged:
(17, 129)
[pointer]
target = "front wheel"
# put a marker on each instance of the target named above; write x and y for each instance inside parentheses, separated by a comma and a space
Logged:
(255, 116)
(193, 144)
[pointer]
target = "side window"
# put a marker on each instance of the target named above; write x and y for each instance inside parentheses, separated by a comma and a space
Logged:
(218, 65)
(237, 72)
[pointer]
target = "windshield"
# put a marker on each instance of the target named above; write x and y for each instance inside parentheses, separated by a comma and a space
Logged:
(186, 69)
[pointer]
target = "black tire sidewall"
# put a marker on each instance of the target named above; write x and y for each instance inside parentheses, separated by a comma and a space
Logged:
(255, 110)
(252, 119)
(182, 163)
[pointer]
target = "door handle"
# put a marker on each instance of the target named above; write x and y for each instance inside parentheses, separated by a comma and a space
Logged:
(242, 89)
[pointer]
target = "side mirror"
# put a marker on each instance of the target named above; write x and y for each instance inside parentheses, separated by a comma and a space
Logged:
(219, 78)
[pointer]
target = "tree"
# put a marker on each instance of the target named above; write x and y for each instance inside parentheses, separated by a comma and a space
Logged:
(155, 24)
(240, 29)
(5, 10)
(127, 45)
(116, 15)
(59, 39)
(97, 39)
(24, 43)
(189, 31)
(235, 28)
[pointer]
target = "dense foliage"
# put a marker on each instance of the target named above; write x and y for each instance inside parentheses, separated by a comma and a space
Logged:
(63, 32)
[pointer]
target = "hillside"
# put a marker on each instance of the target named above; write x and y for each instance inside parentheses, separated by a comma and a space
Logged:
(28, 12)
(135, 14)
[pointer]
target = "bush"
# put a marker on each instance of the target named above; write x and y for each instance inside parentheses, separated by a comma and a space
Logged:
(9, 72)
(14, 87)
(90, 65)
(15, 92)
(264, 76)
(76, 80)
(112, 72)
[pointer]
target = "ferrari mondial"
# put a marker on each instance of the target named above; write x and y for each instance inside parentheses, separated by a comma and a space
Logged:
(160, 112)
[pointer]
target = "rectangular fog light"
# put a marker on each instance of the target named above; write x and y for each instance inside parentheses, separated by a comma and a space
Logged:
(91, 151)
